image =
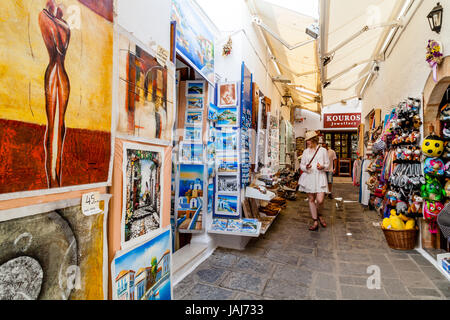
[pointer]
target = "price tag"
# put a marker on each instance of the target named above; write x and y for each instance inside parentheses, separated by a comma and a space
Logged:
(90, 203)
(162, 55)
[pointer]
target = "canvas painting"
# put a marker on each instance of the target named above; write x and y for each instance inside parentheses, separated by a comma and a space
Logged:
(227, 141)
(227, 164)
(194, 117)
(195, 88)
(193, 133)
(213, 112)
(227, 117)
(211, 151)
(194, 41)
(227, 205)
(227, 184)
(55, 49)
(190, 198)
(144, 272)
(194, 103)
(54, 252)
(142, 184)
(191, 152)
(228, 94)
(146, 93)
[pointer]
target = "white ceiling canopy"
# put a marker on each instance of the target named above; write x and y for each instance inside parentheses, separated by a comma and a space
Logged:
(294, 52)
(354, 37)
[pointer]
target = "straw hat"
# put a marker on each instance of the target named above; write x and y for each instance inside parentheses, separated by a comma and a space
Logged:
(310, 135)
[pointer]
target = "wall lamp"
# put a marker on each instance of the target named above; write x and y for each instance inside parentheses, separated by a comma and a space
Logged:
(435, 18)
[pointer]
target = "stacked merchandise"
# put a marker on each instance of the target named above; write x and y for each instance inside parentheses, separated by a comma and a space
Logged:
(402, 169)
(288, 184)
(444, 217)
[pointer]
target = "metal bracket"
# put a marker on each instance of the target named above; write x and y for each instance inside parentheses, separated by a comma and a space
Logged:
(257, 20)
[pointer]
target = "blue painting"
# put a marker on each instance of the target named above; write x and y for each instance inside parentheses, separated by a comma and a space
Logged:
(194, 117)
(227, 117)
(210, 198)
(194, 41)
(143, 273)
(212, 112)
(193, 133)
(246, 121)
(190, 197)
(227, 205)
(226, 141)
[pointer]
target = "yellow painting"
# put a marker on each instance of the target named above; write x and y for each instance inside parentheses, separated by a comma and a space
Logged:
(55, 93)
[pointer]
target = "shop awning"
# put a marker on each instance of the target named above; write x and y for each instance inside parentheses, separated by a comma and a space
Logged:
(350, 47)
(300, 65)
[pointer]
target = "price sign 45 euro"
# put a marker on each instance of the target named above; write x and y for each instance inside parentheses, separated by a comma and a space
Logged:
(90, 203)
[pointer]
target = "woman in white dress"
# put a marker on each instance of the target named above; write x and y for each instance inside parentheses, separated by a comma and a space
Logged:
(313, 180)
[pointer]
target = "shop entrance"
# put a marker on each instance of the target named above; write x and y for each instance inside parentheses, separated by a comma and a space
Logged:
(345, 144)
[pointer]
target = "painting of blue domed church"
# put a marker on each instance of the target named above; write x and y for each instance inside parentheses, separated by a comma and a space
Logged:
(190, 197)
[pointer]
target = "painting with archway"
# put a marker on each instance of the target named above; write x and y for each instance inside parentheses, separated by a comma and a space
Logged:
(145, 92)
(142, 184)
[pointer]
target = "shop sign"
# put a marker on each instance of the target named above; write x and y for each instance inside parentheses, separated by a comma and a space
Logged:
(341, 120)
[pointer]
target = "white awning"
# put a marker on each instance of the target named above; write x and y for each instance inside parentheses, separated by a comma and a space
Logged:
(354, 34)
(300, 65)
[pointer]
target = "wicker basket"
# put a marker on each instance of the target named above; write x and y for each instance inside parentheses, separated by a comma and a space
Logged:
(401, 239)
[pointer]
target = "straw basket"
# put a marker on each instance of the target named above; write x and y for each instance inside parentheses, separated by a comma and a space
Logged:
(401, 239)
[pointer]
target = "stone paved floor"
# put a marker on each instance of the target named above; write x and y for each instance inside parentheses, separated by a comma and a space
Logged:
(292, 263)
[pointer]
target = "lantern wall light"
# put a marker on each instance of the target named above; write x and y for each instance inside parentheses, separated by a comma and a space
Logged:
(435, 18)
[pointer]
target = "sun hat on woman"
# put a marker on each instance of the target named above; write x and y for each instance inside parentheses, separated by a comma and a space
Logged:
(310, 135)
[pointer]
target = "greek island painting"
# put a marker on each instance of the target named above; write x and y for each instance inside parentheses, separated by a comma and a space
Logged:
(55, 104)
(53, 252)
(190, 198)
(144, 272)
(194, 41)
(142, 185)
(146, 90)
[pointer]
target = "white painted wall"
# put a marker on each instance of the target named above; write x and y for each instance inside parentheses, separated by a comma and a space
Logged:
(147, 20)
(405, 72)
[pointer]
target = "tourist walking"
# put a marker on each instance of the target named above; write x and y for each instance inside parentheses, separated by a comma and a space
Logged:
(331, 170)
(313, 180)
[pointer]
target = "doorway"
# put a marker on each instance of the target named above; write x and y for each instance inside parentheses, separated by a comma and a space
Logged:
(345, 144)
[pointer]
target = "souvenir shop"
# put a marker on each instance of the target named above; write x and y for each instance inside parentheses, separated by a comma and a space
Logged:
(405, 177)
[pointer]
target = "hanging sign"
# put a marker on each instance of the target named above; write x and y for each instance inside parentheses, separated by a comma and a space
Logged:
(341, 120)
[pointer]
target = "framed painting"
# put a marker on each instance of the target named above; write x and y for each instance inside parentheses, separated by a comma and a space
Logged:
(53, 251)
(195, 103)
(146, 92)
(193, 133)
(54, 145)
(190, 198)
(144, 272)
(228, 94)
(227, 117)
(194, 118)
(191, 152)
(227, 184)
(143, 168)
(195, 88)
(227, 205)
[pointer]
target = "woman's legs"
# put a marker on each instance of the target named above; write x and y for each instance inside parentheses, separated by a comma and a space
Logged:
(319, 200)
(313, 210)
(312, 205)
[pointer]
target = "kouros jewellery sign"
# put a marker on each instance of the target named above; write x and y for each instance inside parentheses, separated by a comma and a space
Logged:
(341, 120)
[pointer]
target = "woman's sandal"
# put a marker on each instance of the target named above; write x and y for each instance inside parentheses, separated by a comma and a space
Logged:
(316, 228)
(322, 222)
